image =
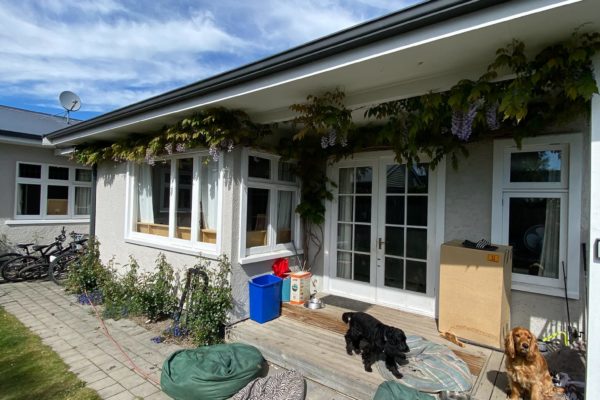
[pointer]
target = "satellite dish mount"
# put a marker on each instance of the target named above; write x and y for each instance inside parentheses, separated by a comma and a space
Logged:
(70, 102)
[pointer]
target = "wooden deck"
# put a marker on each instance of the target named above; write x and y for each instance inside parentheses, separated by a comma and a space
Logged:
(312, 342)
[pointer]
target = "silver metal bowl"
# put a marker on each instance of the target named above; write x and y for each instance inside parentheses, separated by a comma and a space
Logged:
(314, 304)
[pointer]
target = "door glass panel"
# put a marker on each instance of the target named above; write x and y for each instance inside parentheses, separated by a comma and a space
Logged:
(416, 243)
(364, 179)
(395, 178)
(362, 238)
(344, 237)
(394, 210)
(394, 241)
(535, 166)
(344, 265)
(416, 213)
(346, 182)
(416, 276)
(345, 208)
(534, 233)
(418, 178)
(394, 272)
(363, 209)
(362, 267)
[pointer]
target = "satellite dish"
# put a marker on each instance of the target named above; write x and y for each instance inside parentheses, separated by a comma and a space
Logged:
(70, 102)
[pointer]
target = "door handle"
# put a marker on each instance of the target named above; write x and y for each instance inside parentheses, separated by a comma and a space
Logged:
(380, 243)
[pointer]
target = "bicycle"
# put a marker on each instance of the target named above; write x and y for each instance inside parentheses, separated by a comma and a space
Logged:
(23, 250)
(61, 265)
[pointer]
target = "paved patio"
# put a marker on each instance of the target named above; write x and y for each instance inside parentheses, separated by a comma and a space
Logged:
(73, 331)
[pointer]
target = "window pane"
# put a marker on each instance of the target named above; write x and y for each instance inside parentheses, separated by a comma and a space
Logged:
(257, 220)
(535, 166)
(363, 209)
(344, 237)
(259, 167)
(364, 179)
(416, 213)
(346, 181)
(362, 267)
(344, 265)
(285, 215)
(416, 276)
(362, 238)
(416, 243)
(83, 175)
(58, 200)
(28, 199)
(534, 233)
(58, 173)
(183, 220)
(394, 241)
(83, 200)
(394, 272)
(153, 185)
(285, 172)
(418, 178)
(30, 171)
(394, 210)
(345, 208)
(396, 178)
(209, 181)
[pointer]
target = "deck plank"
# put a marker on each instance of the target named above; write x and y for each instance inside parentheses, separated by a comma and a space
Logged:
(485, 385)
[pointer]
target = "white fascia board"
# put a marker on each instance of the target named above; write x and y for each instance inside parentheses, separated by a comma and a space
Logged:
(478, 20)
(21, 141)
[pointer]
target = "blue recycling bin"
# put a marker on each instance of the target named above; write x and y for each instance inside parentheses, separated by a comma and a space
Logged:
(265, 297)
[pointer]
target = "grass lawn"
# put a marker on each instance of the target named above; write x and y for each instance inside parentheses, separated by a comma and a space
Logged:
(31, 370)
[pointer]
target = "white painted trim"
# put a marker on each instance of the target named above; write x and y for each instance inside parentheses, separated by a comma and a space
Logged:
(162, 245)
(46, 221)
(22, 141)
(268, 256)
(574, 165)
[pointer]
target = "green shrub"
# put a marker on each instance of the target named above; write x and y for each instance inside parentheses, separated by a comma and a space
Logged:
(88, 273)
(208, 308)
(120, 294)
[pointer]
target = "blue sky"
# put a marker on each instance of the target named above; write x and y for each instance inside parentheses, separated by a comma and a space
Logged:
(114, 53)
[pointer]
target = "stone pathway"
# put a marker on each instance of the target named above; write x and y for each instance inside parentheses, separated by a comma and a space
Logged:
(73, 331)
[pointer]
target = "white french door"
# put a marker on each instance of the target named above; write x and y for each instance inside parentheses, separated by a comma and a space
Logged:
(382, 234)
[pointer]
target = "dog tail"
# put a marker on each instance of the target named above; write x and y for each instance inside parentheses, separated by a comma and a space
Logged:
(347, 316)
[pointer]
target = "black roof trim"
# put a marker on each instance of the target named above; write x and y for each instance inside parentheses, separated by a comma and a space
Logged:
(21, 135)
(394, 24)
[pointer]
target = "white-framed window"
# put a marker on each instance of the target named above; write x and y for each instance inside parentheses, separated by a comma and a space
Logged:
(270, 195)
(536, 209)
(175, 202)
(47, 191)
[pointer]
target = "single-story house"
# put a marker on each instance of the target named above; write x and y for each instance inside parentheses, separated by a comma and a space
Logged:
(386, 222)
(42, 189)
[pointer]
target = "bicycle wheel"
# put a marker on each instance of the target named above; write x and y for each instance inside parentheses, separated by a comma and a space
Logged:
(4, 258)
(35, 270)
(59, 268)
(11, 269)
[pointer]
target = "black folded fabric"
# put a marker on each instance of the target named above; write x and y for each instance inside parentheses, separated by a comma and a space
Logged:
(481, 245)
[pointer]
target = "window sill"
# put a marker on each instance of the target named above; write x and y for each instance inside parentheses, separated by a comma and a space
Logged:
(545, 290)
(254, 258)
(46, 221)
(189, 250)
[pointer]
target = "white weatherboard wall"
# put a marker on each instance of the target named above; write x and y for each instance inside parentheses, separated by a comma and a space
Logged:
(34, 232)
(593, 335)
(468, 216)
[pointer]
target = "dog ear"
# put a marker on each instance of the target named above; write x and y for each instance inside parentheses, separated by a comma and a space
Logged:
(533, 348)
(509, 345)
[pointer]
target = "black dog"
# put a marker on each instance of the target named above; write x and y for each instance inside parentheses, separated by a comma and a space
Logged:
(369, 336)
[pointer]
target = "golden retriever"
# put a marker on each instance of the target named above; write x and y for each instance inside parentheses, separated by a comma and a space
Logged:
(526, 368)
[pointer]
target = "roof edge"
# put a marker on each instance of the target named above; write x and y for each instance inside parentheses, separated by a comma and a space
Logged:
(403, 21)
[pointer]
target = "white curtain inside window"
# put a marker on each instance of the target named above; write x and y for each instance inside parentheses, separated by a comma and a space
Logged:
(208, 198)
(551, 244)
(284, 216)
(83, 199)
(145, 205)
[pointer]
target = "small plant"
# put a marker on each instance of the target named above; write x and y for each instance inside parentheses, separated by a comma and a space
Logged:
(88, 273)
(209, 308)
(156, 297)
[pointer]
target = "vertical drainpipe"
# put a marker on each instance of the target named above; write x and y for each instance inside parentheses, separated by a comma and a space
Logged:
(93, 201)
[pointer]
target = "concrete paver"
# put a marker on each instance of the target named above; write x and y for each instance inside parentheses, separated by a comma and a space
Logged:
(75, 334)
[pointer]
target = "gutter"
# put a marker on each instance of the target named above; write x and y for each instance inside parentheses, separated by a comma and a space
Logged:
(418, 16)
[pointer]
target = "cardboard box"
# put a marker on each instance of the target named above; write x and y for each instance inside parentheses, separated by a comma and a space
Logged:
(300, 287)
(474, 300)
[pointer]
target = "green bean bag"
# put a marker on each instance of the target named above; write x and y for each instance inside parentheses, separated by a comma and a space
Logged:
(211, 372)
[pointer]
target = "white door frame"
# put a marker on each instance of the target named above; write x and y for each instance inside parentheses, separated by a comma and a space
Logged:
(427, 302)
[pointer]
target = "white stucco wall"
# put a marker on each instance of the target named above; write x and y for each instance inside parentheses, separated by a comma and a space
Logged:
(10, 154)
(468, 216)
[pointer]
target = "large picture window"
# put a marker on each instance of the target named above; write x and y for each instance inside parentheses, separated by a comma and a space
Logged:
(177, 199)
(536, 210)
(52, 192)
(270, 199)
